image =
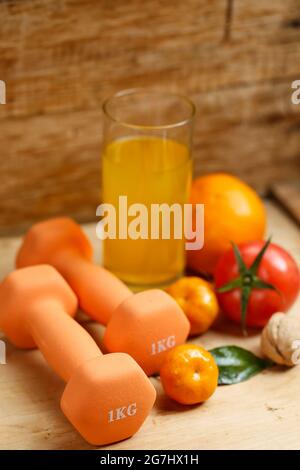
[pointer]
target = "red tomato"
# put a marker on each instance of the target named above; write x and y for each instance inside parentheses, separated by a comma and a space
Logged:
(277, 268)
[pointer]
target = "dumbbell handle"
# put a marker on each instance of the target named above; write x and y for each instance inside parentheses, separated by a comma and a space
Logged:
(99, 291)
(63, 342)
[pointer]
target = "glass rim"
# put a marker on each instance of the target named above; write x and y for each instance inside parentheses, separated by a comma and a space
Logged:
(132, 91)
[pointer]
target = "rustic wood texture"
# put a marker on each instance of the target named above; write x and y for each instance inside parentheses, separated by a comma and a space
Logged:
(262, 413)
(288, 194)
(235, 58)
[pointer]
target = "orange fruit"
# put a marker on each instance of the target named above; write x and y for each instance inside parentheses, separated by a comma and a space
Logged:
(233, 212)
(189, 374)
(198, 300)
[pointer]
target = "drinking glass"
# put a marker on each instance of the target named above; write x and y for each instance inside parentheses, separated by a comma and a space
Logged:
(146, 158)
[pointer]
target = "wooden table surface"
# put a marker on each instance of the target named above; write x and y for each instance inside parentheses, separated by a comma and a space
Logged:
(262, 413)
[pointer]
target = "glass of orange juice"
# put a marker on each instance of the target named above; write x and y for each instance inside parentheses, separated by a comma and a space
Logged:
(147, 158)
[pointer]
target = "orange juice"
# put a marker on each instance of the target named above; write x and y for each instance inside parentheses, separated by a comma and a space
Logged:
(147, 170)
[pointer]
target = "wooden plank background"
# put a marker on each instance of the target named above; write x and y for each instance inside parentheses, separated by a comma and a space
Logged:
(235, 58)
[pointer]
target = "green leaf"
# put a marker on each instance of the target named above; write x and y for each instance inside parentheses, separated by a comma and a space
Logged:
(237, 364)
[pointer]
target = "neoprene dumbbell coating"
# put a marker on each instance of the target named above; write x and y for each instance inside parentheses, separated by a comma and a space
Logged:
(144, 325)
(107, 398)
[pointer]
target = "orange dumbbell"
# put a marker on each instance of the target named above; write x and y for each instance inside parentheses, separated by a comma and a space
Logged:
(106, 398)
(144, 325)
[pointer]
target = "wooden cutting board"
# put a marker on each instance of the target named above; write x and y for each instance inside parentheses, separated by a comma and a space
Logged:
(288, 194)
(262, 413)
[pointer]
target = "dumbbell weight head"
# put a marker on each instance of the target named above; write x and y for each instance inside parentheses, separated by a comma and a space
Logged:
(108, 398)
(47, 240)
(22, 288)
(146, 326)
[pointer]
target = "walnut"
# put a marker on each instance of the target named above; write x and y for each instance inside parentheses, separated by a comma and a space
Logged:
(280, 340)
